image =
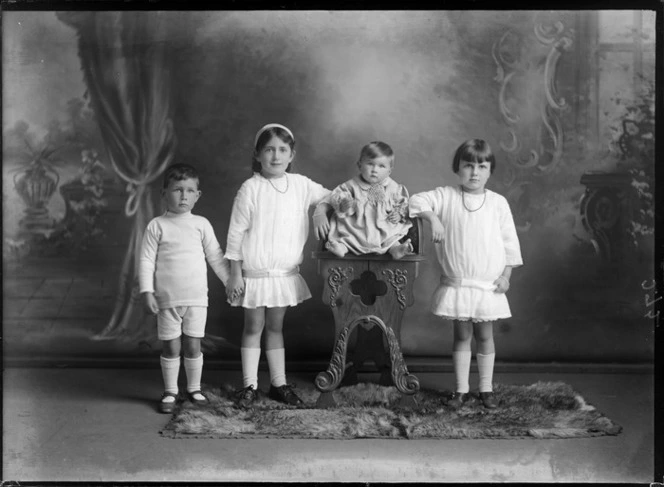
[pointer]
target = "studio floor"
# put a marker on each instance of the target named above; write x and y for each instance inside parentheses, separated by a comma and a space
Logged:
(101, 424)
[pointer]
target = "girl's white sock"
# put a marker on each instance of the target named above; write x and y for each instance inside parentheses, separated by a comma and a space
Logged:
(485, 369)
(250, 359)
(462, 370)
(276, 361)
(193, 367)
(170, 369)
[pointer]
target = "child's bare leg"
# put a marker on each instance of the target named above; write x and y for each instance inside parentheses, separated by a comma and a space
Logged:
(400, 250)
(337, 248)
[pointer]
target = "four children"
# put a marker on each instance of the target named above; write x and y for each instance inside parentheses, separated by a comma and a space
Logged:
(472, 227)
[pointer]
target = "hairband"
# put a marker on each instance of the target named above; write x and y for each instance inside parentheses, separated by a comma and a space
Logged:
(269, 126)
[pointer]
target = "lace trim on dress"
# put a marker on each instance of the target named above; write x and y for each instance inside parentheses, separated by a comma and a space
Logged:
(474, 320)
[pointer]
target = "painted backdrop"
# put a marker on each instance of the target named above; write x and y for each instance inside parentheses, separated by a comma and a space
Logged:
(570, 122)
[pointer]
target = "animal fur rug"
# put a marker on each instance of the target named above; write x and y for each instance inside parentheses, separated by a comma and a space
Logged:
(367, 410)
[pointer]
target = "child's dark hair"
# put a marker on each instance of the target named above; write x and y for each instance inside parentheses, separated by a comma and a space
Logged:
(264, 138)
(473, 150)
(376, 149)
(179, 172)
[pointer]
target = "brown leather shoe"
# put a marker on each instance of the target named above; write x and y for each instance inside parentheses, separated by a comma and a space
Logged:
(488, 400)
(457, 400)
(285, 394)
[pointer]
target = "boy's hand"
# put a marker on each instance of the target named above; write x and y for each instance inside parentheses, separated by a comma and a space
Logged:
(502, 284)
(321, 226)
(235, 287)
(436, 229)
(151, 303)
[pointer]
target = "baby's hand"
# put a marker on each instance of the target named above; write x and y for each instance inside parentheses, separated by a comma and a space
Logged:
(502, 284)
(436, 230)
(321, 226)
(394, 217)
(345, 205)
(151, 303)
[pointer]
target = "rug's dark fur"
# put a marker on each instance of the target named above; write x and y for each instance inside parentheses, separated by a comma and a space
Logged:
(367, 410)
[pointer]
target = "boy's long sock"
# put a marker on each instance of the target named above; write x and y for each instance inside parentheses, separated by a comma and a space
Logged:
(170, 369)
(276, 361)
(250, 360)
(193, 367)
(462, 370)
(485, 370)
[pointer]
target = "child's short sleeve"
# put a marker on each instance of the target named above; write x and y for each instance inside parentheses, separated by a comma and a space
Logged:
(508, 232)
(422, 202)
(315, 192)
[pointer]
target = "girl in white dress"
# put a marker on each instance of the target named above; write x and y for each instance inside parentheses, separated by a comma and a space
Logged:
(268, 229)
(477, 247)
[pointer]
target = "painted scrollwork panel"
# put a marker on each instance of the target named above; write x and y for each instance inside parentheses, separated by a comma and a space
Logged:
(526, 65)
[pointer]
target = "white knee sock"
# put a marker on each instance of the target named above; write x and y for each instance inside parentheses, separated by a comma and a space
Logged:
(276, 361)
(485, 369)
(170, 369)
(250, 359)
(193, 367)
(462, 370)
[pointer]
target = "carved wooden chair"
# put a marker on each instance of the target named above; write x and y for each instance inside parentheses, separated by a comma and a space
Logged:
(371, 291)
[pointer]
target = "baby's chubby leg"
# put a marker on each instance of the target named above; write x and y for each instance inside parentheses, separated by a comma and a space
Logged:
(337, 248)
(401, 249)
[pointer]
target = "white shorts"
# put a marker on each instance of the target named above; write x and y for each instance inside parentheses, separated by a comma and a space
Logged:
(173, 322)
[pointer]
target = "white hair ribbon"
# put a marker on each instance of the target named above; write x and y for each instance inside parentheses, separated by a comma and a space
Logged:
(269, 126)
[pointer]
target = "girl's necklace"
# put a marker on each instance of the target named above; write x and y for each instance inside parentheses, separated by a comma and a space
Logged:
(463, 199)
(277, 189)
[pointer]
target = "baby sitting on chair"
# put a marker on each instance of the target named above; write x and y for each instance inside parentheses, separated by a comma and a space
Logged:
(370, 210)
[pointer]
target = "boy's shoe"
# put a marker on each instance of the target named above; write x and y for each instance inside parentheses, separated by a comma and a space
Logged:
(457, 400)
(167, 407)
(245, 397)
(488, 400)
(285, 394)
(195, 400)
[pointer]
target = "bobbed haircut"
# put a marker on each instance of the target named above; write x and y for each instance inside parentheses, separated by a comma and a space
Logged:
(376, 149)
(474, 150)
(264, 138)
(180, 172)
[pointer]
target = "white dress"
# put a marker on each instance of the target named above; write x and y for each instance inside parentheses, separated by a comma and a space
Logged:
(476, 247)
(267, 232)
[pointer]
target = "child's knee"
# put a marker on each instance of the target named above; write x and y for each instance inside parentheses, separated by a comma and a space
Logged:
(171, 348)
(192, 346)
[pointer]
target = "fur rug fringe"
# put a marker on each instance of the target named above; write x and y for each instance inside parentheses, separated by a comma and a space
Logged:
(543, 410)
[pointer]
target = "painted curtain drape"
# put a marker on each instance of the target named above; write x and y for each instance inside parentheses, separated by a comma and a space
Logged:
(124, 61)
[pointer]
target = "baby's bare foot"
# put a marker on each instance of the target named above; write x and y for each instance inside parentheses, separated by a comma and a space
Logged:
(400, 250)
(336, 248)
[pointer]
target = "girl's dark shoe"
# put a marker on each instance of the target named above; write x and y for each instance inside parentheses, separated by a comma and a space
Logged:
(195, 400)
(457, 400)
(285, 394)
(488, 400)
(245, 397)
(167, 407)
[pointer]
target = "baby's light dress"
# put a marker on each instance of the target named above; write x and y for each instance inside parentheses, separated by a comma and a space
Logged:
(365, 229)
(475, 249)
(267, 232)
